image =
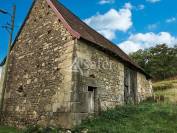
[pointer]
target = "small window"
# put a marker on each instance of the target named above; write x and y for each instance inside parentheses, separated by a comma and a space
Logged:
(37, 66)
(48, 13)
(90, 88)
(20, 89)
(49, 31)
(92, 76)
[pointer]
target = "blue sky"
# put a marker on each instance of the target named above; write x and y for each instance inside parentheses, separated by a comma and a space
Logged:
(130, 24)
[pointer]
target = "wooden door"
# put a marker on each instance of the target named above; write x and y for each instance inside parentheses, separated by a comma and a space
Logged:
(91, 99)
(127, 86)
(130, 86)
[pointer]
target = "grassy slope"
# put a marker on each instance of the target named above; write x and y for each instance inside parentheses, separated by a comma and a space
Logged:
(143, 118)
(167, 88)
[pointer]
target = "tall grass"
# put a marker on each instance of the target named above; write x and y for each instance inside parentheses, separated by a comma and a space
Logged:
(164, 85)
(143, 118)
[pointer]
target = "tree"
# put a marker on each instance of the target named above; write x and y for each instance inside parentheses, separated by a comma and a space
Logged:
(159, 61)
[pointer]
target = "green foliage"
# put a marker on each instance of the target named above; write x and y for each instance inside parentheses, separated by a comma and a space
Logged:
(143, 118)
(38, 129)
(5, 129)
(32, 129)
(159, 61)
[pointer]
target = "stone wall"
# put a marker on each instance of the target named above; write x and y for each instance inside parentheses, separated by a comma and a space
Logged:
(97, 69)
(144, 87)
(93, 67)
(39, 78)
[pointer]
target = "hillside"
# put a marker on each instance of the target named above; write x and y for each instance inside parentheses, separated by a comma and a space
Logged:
(166, 90)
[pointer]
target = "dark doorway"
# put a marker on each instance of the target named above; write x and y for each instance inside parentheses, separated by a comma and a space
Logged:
(91, 99)
(130, 83)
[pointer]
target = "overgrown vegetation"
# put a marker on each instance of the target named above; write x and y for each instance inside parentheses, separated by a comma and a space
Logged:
(38, 129)
(143, 118)
(159, 61)
(32, 129)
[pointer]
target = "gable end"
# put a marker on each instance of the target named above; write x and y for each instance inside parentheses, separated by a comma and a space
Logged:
(60, 17)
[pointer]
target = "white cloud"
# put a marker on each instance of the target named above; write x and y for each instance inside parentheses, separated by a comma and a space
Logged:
(153, 1)
(152, 26)
(102, 2)
(130, 46)
(171, 20)
(128, 6)
(108, 34)
(142, 41)
(112, 21)
(141, 7)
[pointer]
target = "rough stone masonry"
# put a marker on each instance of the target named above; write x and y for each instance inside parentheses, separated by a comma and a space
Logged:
(57, 79)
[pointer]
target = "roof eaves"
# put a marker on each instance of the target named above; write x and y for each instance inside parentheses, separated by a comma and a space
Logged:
(135, 66)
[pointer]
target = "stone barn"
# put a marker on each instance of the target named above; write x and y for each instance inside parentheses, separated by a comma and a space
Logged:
(61, 71)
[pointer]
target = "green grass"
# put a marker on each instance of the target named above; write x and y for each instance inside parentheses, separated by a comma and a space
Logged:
(30, 129)
(143, 118)
(5, 129)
